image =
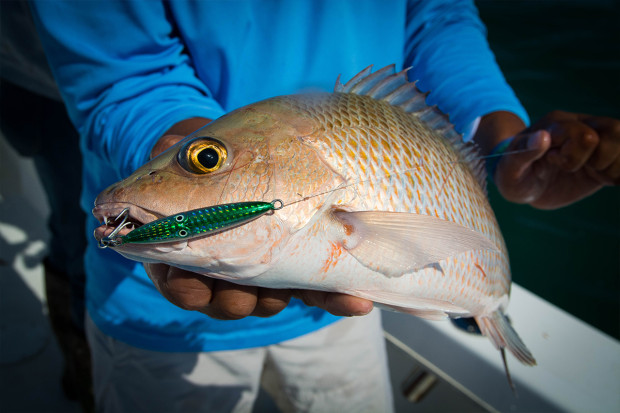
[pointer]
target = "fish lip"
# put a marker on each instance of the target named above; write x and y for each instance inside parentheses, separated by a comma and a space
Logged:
(107, 212)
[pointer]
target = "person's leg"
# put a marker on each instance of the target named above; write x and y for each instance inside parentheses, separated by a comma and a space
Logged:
(129, 379)
(339, 368)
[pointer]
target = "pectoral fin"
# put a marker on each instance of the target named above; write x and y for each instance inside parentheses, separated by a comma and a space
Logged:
(397, 243)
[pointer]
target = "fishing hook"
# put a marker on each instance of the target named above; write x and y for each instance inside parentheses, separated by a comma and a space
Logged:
(110, 240)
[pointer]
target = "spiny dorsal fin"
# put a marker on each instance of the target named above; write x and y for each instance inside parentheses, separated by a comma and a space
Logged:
(394, 88)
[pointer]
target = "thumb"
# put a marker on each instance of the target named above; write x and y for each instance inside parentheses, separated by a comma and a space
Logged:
(518, 177)
(524, 151)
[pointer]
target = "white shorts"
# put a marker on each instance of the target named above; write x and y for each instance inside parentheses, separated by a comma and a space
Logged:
(339, 368)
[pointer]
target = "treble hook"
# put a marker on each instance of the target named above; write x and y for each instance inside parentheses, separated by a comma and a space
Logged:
(110, 240)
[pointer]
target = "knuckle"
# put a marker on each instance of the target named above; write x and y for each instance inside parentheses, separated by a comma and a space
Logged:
(589, 140)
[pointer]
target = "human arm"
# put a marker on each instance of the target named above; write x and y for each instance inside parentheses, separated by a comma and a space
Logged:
(567, 157)
(560, 159)
(447, 49)
(124, 76)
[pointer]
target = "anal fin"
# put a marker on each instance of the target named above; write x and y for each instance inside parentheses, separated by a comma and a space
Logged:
(498, 329)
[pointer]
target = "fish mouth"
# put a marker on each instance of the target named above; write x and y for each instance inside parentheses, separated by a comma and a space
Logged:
(111, 215)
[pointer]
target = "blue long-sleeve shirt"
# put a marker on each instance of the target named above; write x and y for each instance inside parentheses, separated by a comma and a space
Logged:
(130, 70)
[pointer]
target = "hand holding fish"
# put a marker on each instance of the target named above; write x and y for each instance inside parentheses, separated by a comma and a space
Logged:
(567, 157)
(227, 301)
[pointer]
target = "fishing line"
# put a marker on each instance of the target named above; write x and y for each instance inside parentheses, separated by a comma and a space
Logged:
(397, 173)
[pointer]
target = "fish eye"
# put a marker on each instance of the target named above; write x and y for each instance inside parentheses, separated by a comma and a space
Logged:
(202, 155)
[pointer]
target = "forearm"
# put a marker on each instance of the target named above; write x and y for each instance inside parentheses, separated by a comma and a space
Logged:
(130, 84)
(451, 58)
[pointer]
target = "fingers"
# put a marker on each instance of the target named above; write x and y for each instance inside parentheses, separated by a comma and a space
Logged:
(182, 288)
(605, 161)
(570, 156)
(231, 301)
(216, 298)
(524, 151)
(580, 141)
(227, 301)
(335, 303)
(271, 301)
(605, 155)
(519, 176)
(574, 143)
(612, 173)
(188, 290)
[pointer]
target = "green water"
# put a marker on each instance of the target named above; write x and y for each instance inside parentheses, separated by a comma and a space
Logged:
(563, 55)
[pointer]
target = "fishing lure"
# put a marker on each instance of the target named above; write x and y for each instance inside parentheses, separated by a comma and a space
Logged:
(190, 224)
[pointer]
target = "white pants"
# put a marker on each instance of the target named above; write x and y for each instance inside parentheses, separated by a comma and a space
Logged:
(339, 368)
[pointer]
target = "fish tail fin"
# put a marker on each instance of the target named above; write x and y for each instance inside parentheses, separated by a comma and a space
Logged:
(498, 329)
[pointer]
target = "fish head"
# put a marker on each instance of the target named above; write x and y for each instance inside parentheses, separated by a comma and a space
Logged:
(255, 153)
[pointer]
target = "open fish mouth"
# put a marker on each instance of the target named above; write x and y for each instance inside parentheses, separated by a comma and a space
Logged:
(120, 219)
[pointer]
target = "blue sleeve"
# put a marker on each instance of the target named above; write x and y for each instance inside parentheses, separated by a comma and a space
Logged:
(447, 48)
(125, 78)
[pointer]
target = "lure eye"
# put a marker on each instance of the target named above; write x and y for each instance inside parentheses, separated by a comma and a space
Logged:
(202, 155)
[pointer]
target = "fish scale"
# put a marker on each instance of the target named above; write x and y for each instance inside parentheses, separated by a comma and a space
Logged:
(340, 143)
(345, 148)
(382, 200)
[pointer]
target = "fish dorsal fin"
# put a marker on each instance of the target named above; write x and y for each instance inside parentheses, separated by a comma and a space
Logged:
(394, 88)
(397, 243)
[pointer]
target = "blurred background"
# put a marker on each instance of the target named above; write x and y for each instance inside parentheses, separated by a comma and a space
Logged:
(557, 54)
(563, 55)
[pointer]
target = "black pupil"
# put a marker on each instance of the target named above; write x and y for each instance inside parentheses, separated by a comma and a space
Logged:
(208, 158)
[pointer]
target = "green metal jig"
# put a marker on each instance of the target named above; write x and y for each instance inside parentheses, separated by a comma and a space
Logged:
(190, 224)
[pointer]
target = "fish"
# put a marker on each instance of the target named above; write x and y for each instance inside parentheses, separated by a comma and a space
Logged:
(380, 198)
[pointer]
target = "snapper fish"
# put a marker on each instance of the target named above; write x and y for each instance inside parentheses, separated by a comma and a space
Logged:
(366, 191)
